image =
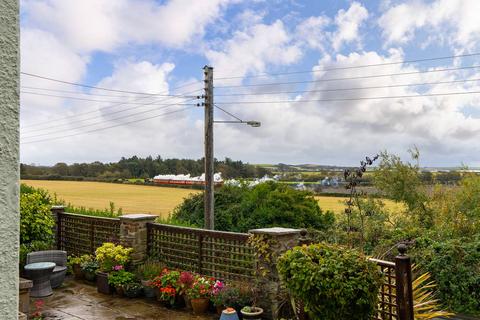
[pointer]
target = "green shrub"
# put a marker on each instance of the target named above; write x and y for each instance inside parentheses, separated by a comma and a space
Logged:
(265, 205)
(333, 282)
(455, 267)
(36, 221)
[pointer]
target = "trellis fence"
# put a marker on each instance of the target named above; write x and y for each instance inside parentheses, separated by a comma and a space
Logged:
(78, 234)
(223, 255)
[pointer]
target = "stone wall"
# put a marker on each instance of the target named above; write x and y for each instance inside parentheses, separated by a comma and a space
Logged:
(9, 157)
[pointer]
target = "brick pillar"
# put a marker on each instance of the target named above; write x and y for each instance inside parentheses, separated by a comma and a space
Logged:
(55, 211)
(133, 234)
(280, 240)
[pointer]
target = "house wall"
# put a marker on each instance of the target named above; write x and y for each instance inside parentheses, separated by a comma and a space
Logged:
(9, 157)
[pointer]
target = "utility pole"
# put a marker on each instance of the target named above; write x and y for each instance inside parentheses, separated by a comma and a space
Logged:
(209, 160)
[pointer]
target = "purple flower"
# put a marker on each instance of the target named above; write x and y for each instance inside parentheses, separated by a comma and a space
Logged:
(118, 268)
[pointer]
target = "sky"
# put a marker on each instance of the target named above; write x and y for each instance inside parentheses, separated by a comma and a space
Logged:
(275, 61)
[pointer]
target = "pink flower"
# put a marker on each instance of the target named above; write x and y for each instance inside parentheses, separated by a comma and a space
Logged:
(118, 268)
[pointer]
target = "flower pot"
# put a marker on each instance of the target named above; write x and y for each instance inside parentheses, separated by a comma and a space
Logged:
(229, 314)
(102, 283)
(89, 276)
(120, 290)
(200, 305)
(219, 309)
(133, 292)
(78, 274)
(255, 314)
(148, 291)
(188, 302)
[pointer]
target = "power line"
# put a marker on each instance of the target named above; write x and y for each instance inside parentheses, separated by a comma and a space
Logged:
(100, 122)
(348, 89)
(354, 99)
(83, 99)
(105, 128)
(98, 88)
(349, 78)
(353, 67)
(97, 94)
(42, 124)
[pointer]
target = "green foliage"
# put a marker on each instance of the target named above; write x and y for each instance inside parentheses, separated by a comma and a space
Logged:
(90, 266)
(332, 281)
(120, 277)
(36, 221)
(110, 212)
(149, 270)
(454, 265)
(26, 248)
(265, 205)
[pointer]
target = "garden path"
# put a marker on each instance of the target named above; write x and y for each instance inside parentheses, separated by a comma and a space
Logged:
(77, 300)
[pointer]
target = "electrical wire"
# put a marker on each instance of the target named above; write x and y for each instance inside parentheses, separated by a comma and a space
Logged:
(98, 88)
(100, 122)
(349, 78)
(348, 89)
(42, 124)
(354, 99)
(100, 95)
(109, 127)
(352, 67)
(81, 99)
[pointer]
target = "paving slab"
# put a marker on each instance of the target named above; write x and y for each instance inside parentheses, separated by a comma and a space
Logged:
(77, 300)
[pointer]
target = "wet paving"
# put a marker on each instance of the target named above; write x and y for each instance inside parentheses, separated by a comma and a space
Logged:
(80, 300)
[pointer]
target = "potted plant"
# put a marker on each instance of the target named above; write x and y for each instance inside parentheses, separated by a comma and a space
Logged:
(108, 256)
(185, 282)
(119, 278)
(217, 297)
(167, 288)
(200, 293)
(147, 272)
(133, 289)
(89, 269)
(75, 263)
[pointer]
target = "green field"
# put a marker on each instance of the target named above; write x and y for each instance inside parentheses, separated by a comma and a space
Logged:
(143, 199)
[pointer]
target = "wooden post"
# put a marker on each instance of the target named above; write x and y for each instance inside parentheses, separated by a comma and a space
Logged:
(403, 276)
(200, 254)
(209, 159)
(57, 230)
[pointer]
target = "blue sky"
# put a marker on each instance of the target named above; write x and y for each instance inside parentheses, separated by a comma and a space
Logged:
(155, 46)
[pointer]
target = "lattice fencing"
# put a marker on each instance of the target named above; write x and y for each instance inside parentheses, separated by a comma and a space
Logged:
(223, 255)
(387, 299)
(78, 234)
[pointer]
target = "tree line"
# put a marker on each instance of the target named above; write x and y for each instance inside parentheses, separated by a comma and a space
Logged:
(144, 168)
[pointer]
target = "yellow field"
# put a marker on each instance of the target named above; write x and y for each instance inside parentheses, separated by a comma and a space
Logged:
(131, 198)
(144, 199)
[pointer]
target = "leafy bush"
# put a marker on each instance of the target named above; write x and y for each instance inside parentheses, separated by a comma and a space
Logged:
(120, 277)
(36, 221)
(110, 255)
(454, 265)
(333, 282)
(265, 205)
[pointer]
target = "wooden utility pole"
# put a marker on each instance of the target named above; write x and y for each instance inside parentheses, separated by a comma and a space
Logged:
(209, 160)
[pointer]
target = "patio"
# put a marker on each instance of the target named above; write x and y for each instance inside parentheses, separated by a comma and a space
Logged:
(79, 300)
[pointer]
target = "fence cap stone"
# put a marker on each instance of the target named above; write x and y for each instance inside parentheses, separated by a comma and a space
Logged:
(138, 216)
(58, 207)
(278, 231)
(24, 283)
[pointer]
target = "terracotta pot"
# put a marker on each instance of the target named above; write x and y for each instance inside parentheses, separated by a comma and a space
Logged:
(254, 315)
(102, 283)
(200, 305)
(77, 271)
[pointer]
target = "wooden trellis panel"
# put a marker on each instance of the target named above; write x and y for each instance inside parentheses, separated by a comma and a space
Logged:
(223, 255)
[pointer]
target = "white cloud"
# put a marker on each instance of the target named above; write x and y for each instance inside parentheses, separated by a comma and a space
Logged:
(312, 31)
(252, 50)
(90, 25)
(453, 20)
(349, 23)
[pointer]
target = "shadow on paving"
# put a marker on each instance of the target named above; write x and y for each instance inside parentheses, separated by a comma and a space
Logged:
(77, 300)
